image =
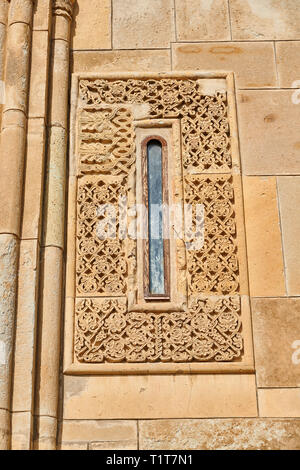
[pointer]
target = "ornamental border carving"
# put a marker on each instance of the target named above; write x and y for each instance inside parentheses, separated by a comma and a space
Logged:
(76, 309)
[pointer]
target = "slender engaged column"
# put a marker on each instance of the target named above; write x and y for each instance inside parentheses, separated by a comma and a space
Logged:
(3, 24)
(53, 233)
(12, 157)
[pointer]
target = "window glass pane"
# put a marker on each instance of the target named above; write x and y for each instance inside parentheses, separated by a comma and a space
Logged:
(155, 218)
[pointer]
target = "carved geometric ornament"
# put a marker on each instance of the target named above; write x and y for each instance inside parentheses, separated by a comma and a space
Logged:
(108, 326)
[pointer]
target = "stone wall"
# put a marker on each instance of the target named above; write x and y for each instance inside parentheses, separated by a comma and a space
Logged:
(258, 40)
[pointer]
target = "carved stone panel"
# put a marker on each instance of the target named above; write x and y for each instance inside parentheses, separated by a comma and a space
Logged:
(107, 326)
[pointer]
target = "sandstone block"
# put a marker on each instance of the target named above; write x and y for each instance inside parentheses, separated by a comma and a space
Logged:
(289, 200)
(121, 61)
(265, 260)
(276, 327)
(143, 24)
(265, 19)
(253, 64)
(202, 20)
(269, 127)
(92, 31)
(279, 403)
(221, 434)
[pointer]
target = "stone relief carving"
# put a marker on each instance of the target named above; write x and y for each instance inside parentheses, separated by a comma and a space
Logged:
(210, 328)
(105, 331)
(106, 141)
(205, 127)
(101, 263)
(214, 269)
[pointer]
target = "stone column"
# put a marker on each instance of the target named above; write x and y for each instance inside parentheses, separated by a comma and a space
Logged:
(12, 157)
(3, 23)
(53, 233)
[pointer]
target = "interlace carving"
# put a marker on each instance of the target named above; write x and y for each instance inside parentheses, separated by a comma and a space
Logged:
(107, 143)
(101, 263)
(106, 332)
(214, 269)
(205, 127)
(209, 329)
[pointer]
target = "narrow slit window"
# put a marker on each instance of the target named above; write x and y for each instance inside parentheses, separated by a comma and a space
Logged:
(156, 246)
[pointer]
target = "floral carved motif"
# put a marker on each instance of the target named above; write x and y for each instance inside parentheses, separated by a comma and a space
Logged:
(205, 127)
(214, 269)
(101, 264)
(106, 141)
(106, 332)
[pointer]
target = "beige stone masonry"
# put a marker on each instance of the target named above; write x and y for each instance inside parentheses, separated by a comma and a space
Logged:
(22, 432)
(34, 179)
(265, 19)
(143, 24)
(100, 434)
(9, 252)
(12, 151)
(25, 339)
(53, 239)
(131, 397)
(202, 20)
(253, 64)
(42, 15)
(279, 403)
(276, 330)
(265, 259)
(118, 61)
(289, 202)
(287, 63)
(220, 434)
(92, 25)
(45, 438)
(269, 127)
(39, 74)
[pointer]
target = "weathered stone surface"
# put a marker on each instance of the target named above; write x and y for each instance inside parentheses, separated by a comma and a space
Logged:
(279, 403)
(143, 24)
(220, 434)
(104, 397)
(11, 174)
(34, 179)
(276, 327)
(20, 11)
(74, 446)
(25, 338)
(125, 445)
(253, 63)
(16, 74)
(39, 74)
(45, 437)
(21, 431)
(92, 25)
(201, 20)
(103, 434)
(270, 145)
(51, 288)
(265, 260)
(122, 61)
(288, 66)
(8, 283)
(289, 200)
(42, 15)
(4, 428)
(265, 19)
(54, 223)
(60, 87)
